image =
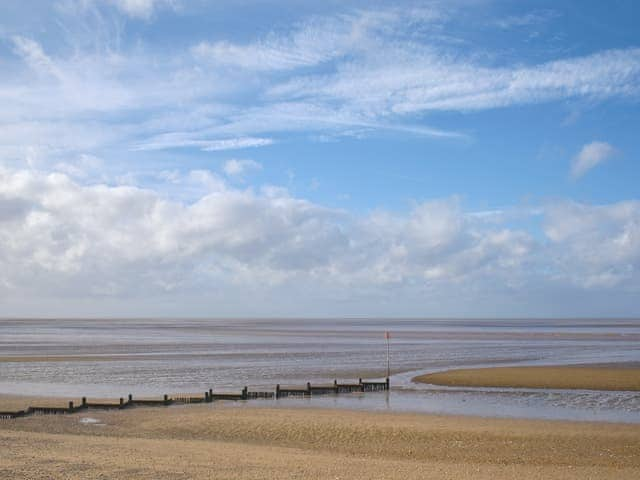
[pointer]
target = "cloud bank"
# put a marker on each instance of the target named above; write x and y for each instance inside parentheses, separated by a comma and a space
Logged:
(60, 239)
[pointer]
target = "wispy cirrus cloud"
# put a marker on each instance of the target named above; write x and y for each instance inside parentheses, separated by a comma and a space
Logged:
(314, 41)
(167, 141)
(591, 155)
(308, 46)
(404, 83)
(35, 57)
(533, 18)
(354, 73)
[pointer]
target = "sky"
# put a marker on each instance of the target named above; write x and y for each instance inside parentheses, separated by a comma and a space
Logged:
(177, 158)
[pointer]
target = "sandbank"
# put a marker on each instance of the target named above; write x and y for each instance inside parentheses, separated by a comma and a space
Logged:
(581, 377)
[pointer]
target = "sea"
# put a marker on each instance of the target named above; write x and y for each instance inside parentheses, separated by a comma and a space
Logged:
(110, 358)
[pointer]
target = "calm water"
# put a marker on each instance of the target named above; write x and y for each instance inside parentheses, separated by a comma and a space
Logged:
(150, 357)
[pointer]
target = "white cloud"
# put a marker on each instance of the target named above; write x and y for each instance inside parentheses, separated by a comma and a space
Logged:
(308, 44)
(410, 79)
(344, 75)
(141, 8)
(35, 57)
(62, 239)
(533, 18)
(590, 156)
(596, 246)
(72, 233)
(238, 167)
(182, 140)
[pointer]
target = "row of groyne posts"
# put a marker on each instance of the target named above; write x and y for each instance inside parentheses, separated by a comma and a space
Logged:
(209, 396)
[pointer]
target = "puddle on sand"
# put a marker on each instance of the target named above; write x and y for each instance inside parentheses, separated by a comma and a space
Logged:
(92, 421)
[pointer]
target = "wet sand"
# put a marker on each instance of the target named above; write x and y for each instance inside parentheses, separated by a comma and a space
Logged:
(605, 377)
(238, 442)
(12, 403)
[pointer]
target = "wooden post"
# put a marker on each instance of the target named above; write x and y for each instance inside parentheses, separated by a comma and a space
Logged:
(130, 398)
(278, 391)
(245, 393)
(121, 402)
(206, 397)
(84, 401)
(70, 407)
(387, 336)
(211, 394)
(309, 388)
(335, 386)
(387, 383)
(361, 385)
(166, 399)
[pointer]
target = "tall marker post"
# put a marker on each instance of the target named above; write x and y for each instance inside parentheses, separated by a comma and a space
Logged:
(387, 336)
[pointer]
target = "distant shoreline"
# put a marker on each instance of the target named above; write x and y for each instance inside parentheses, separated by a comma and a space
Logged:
(606, 377)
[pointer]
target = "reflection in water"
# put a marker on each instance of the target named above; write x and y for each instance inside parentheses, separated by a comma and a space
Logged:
(114, 357)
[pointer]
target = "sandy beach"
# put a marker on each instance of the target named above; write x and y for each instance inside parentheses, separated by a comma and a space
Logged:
(237, 442)
(609, 378)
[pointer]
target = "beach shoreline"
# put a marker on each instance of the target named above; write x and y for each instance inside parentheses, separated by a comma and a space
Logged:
(241, 442)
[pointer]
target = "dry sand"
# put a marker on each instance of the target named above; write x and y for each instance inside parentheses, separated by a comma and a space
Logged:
(235, 442)
(560, 377)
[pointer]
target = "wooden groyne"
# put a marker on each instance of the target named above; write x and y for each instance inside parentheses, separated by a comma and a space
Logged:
(335, 388)
(208, 397)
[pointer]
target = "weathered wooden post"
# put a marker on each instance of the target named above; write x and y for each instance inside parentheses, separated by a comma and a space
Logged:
(121, 402)
(130, 398)
(70, 407)
(84, 402)
(335, 386)
(308, 388)
(206, 397)
(278, 391)
(211, 394)
(245, 393)
(166, 399)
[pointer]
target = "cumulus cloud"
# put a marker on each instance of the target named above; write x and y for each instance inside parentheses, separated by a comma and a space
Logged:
(590, 156)
(55, 227)
(596, 245)
(237, 167)
(63, 239)
(141, 8)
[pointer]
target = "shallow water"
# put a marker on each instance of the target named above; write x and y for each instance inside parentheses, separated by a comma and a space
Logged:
(153, 357)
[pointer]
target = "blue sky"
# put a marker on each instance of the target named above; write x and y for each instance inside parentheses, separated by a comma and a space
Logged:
(471, 158)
